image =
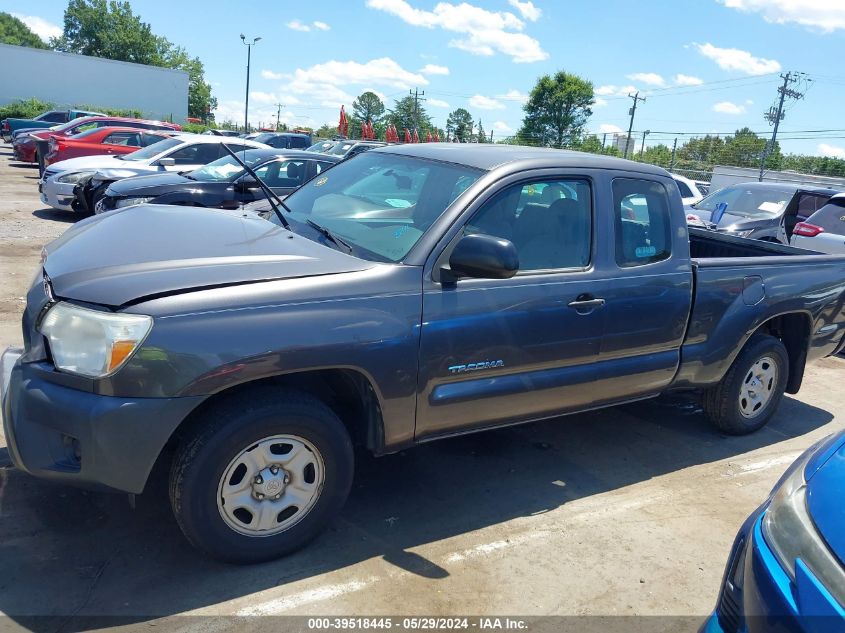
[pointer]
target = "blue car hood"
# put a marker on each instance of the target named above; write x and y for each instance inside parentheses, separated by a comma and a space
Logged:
(825, 475)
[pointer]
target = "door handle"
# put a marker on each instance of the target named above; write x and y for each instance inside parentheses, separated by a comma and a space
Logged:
(584, 304)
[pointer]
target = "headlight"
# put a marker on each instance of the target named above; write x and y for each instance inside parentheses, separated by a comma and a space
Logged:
(128, 202)
(74, 177)
(740, 233)
(789, 531)
(90, 342)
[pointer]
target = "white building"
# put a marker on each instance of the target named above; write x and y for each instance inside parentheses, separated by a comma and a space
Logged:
(68, 80)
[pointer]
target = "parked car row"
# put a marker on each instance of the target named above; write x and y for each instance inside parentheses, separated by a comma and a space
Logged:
(774, 212)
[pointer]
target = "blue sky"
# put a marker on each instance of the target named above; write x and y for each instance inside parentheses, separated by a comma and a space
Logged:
(704, 65)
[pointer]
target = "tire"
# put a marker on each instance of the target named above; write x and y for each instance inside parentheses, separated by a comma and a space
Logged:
(98, 194)
(729, 405)
(235, 433)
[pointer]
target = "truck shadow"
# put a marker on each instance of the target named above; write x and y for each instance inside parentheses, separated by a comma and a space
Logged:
(93, 555)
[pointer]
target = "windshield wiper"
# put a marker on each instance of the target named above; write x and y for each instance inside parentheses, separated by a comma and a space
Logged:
(338, 241)
(271, 196)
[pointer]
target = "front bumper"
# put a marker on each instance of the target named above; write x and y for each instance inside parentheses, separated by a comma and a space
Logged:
(81, 438)
(58, 195)
(758, 596)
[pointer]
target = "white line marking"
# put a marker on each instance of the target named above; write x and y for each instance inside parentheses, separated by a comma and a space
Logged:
(764, 464)
(292, 601)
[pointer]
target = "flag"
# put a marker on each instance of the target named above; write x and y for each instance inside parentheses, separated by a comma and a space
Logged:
(408, 136)
(416, 136)
(343, 124)
(428, 137)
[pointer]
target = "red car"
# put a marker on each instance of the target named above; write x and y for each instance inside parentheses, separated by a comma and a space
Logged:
(26, 146)
(101, 140)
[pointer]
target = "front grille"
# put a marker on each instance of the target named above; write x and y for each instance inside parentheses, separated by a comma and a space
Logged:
(729, 608)
(728, 612)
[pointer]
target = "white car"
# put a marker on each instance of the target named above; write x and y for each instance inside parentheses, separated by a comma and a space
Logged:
(182, 152)
(689, 191)
(824, 231)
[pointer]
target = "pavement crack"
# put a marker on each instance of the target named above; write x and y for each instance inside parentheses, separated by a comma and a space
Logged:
(98, 575)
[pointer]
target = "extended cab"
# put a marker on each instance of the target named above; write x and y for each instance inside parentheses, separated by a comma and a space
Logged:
(11, 127)
(411, 293)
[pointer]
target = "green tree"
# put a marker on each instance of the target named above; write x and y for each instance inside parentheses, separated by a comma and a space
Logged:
(326, 131)
(109, 28)
(481, 134)
(406, 115)
(558, 109)
(200, 100)
(590, 144)
(459, 125)
(744, 149)
(657, 155)
(368, 107)
(15, 32)
(700, 152)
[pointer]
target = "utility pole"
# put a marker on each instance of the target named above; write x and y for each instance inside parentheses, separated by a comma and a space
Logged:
(417, 98)
(632, 111)
(674, 147)
(642, 147)
(249, 46)
(775, 115)
(603, 141)
(279, 107)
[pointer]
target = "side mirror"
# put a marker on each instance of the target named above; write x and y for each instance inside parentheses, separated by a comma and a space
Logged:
(484, 257)
(247, 183)
(166, 162)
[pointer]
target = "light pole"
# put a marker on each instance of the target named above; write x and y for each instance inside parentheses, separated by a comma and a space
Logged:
(249, 46)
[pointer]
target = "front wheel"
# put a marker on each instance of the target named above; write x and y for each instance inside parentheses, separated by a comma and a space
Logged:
(263, 475)
(750, 392)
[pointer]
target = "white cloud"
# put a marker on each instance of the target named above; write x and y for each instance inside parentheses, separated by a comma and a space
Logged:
(687, 80)
(513, 95)
(609, 128)
(504, 128)
(233, 110)
(831, 151)
(269, 74)
(434, 69)
(827, 15)
(437, 103)
(41, 27)
(485, 103)
(263, 97)
(527, 10)
(726, 107)
(296, 25)
(485, 32)
(324, 83)
(652, 79)
(600, 103)
(736, 59)
(614, 91)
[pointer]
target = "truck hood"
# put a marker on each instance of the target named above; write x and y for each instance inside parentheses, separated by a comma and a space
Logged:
(151, 250)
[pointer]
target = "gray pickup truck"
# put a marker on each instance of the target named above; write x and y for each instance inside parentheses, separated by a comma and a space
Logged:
(411, 293)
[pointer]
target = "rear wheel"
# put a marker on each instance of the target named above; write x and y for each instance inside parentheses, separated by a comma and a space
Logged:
(750, 392)
(263, 475)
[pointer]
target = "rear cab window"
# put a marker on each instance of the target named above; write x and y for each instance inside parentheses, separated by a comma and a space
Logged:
(643, 223)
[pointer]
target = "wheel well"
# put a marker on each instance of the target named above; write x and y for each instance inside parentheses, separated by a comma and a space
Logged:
(794, 332)
(348, 392)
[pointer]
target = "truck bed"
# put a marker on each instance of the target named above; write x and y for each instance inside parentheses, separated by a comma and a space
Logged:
(741, 284)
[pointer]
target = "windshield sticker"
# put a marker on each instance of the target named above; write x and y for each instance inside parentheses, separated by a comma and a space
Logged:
(400, 231)
(646, 251)
(321, 181)
(771, 207)
(398, 203)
